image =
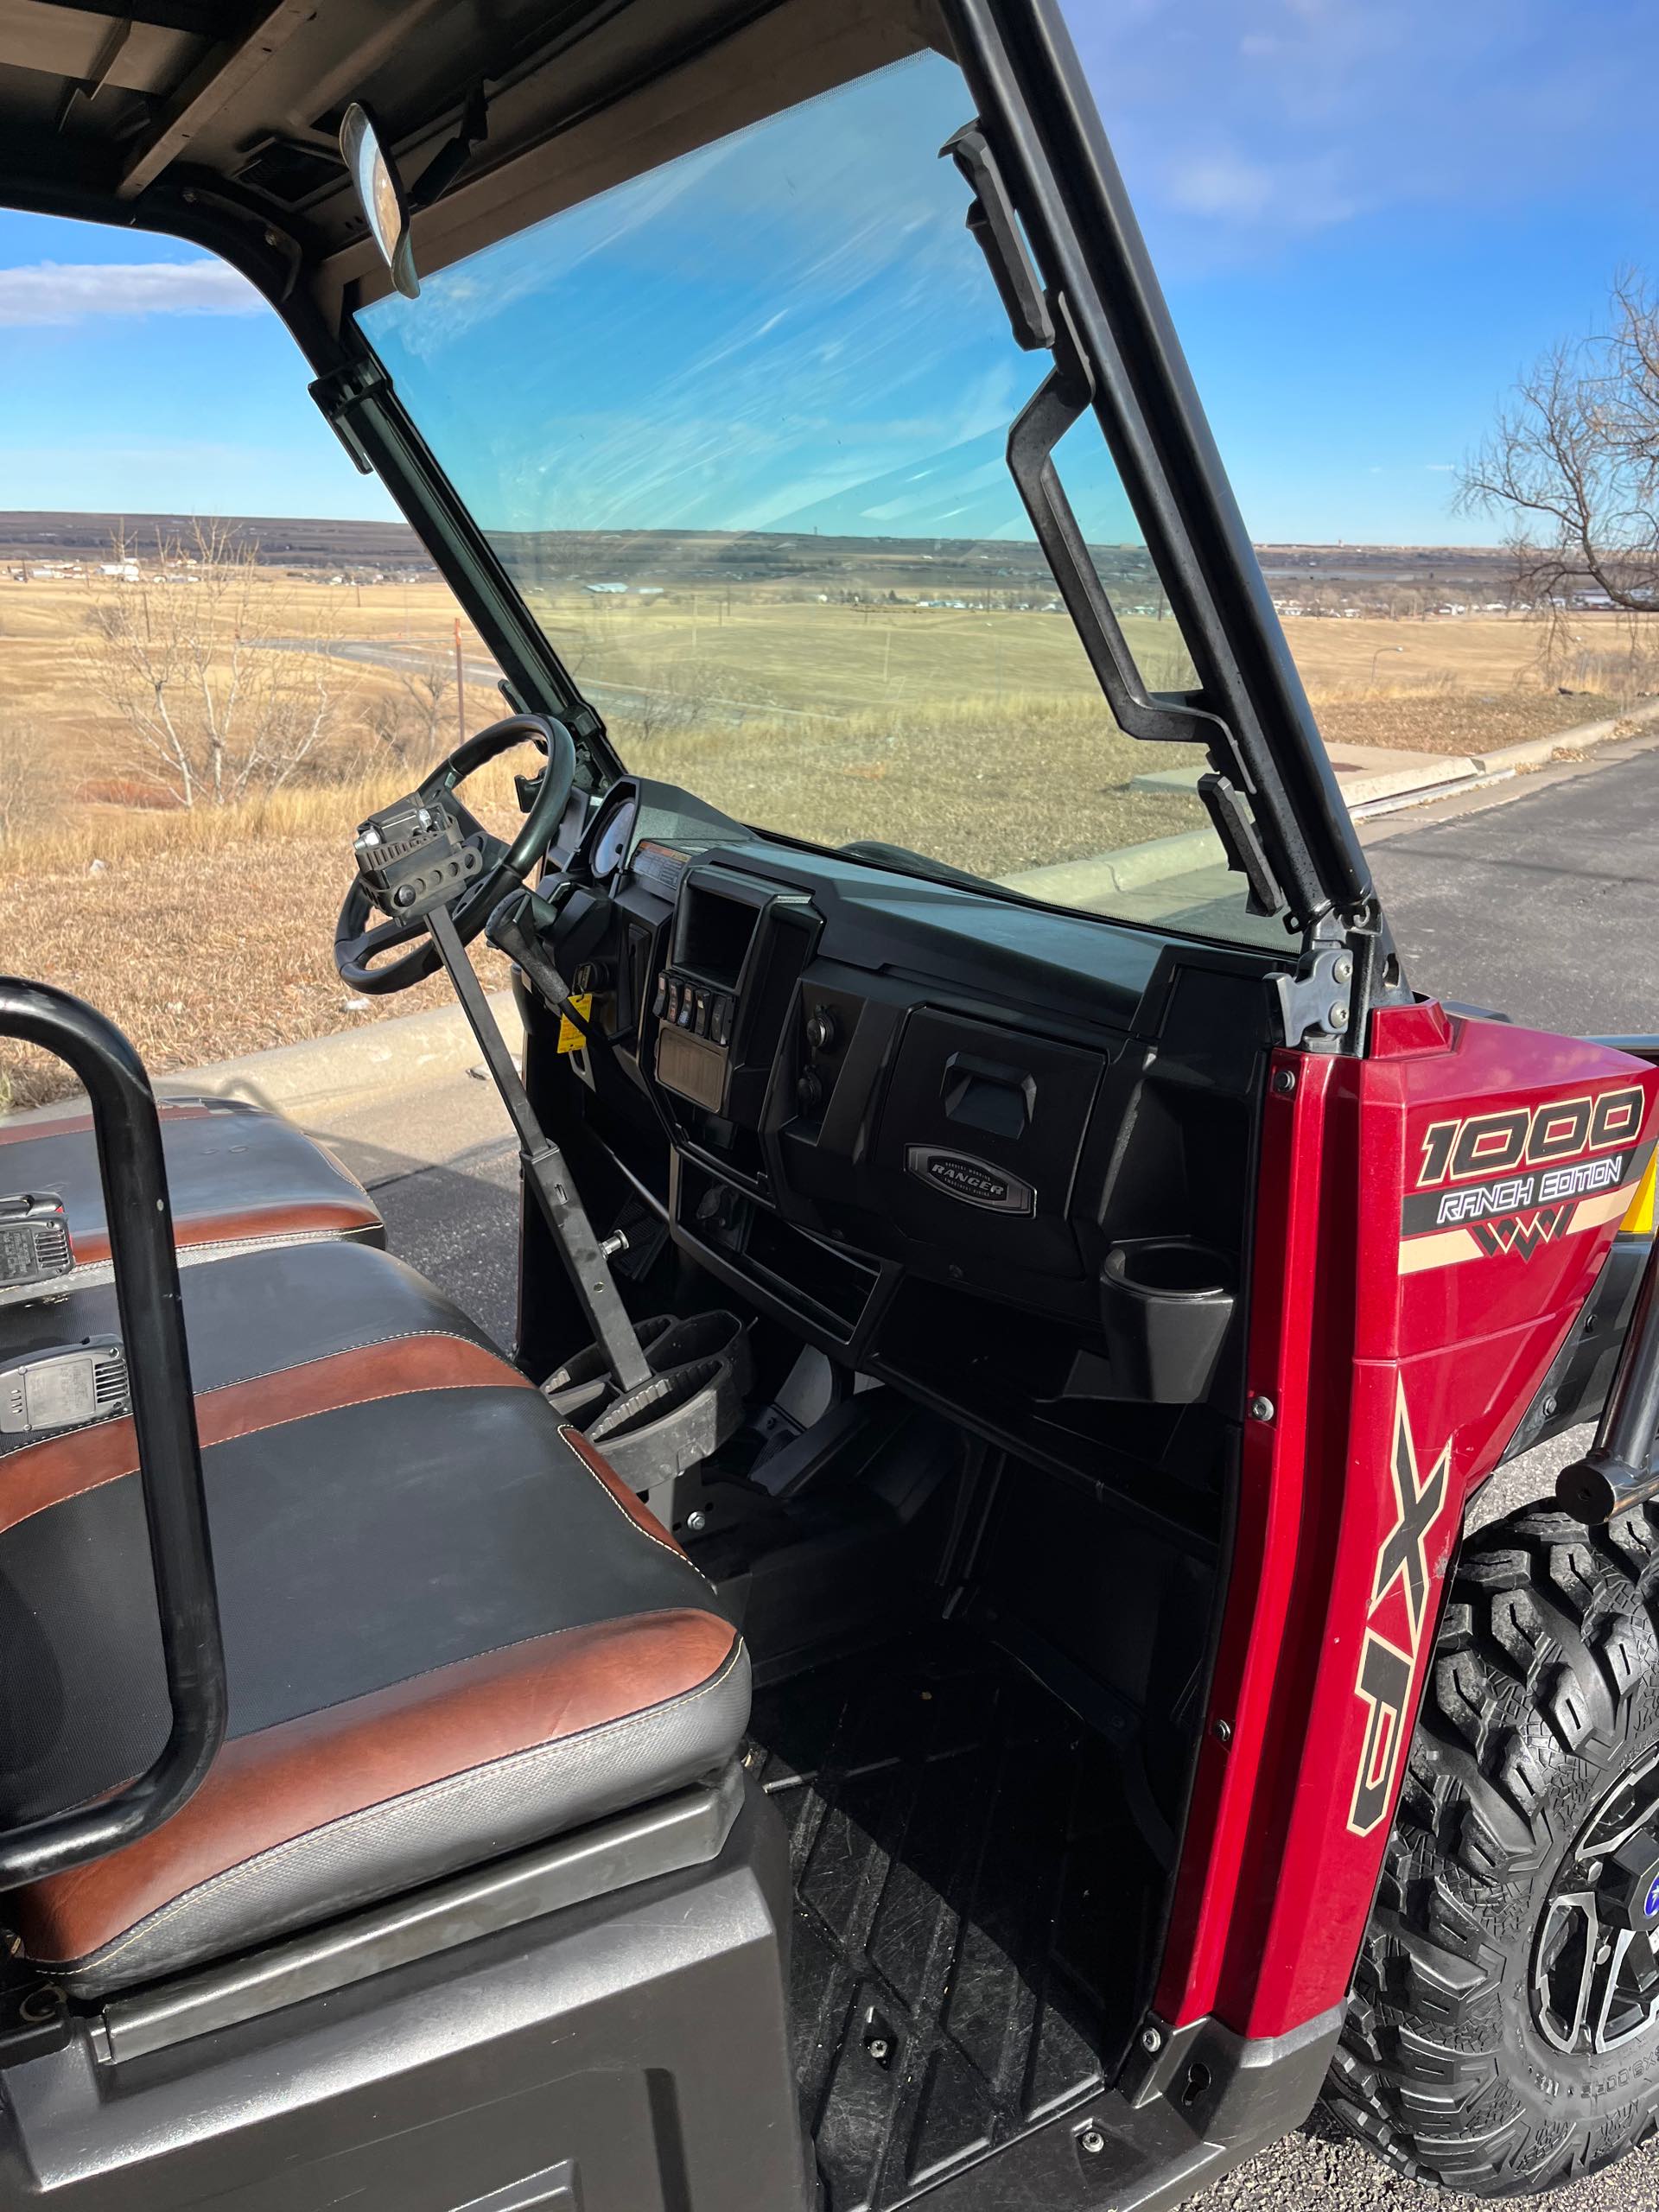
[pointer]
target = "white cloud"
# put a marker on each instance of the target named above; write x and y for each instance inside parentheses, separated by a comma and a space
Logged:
(1221, 184)
(51, 292)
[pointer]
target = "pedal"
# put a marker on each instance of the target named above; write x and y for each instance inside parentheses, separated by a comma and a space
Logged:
(69, 1388)
(34, 1245)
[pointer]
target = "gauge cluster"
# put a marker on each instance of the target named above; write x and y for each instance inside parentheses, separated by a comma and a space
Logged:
(609, 838)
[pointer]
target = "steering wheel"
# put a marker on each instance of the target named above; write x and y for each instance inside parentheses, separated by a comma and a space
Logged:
(358, 939)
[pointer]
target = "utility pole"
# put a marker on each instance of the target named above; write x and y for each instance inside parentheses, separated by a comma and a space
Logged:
(460, 687)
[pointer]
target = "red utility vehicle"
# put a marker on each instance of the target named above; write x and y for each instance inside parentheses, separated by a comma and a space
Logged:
(946, 1665)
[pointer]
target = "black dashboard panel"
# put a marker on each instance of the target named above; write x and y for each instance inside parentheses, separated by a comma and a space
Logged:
(901, 1112)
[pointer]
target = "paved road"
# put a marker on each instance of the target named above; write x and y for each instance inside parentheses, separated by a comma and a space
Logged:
(1545, 906)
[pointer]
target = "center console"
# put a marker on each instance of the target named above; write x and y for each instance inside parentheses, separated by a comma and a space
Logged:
(736, 948)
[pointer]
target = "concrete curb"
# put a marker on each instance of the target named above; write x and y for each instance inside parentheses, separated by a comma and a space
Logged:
(325, 1073)
(322, 1075)
(1079, 883)
(1074, 883)
(1534, 752)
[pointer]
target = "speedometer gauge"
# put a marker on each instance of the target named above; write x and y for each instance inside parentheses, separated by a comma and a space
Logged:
(611, 841)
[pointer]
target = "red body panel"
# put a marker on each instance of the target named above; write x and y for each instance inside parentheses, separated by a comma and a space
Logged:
(1430, 1220)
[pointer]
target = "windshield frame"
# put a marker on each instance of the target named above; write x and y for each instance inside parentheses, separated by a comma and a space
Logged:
(1034, 107)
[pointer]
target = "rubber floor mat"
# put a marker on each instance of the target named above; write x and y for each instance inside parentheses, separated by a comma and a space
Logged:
(972, 1910)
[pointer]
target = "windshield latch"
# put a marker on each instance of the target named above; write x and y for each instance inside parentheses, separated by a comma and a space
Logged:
(1224, 804)
(995, 228)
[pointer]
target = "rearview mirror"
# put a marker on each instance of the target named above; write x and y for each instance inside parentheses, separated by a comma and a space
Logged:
(380, 194)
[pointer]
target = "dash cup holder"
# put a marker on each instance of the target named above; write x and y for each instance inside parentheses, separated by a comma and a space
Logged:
(1166, 1305)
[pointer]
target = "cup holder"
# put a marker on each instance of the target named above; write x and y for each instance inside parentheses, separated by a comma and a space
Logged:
(1166, 1305)
(584, 1381)
(718, 1335)
(582, 1389)
(669, 1424)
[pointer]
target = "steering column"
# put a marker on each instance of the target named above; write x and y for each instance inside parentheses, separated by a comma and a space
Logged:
(433, 870)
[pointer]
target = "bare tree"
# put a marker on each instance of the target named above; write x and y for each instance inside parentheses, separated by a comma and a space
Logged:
(1573, 464)
(191, 648)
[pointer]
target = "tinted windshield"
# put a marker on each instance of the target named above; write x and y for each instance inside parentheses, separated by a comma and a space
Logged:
(737, 429)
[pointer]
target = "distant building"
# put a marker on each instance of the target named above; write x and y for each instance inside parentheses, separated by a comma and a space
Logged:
(605, 587)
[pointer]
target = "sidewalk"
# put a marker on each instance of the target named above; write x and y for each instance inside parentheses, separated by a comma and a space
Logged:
(1374, 778)
(1150, 881)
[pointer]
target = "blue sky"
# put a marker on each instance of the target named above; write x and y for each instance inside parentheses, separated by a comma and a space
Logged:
(1367, 215)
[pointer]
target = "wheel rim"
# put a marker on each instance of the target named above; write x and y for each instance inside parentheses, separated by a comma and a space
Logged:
(1595, 1974)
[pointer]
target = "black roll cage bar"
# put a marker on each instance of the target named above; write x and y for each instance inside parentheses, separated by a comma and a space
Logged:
(128, 1133)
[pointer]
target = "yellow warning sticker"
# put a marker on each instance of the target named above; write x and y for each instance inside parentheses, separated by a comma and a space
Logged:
(1638, 1221)
(570, 1038)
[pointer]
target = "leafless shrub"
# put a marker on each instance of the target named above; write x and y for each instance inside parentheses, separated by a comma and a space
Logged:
(25, 786)
(669, 702)
(414, 721)
(189, 645)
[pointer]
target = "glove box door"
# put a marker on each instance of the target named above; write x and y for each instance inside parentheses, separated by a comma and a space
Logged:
(976, 1147)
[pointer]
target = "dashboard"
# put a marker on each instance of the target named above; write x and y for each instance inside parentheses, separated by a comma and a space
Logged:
(910, 1118)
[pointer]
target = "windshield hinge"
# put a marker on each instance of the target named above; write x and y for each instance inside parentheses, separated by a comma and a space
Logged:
(340, 393)
(1316, 1005)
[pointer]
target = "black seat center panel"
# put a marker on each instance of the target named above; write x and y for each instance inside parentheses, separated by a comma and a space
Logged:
(239, 1177)
(450, 1630)
(995, 1154)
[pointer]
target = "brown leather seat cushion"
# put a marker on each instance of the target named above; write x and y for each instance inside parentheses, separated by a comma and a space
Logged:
(450, 1630)
(238, 1176)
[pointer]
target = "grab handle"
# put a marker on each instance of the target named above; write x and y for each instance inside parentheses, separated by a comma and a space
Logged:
(127, 1131)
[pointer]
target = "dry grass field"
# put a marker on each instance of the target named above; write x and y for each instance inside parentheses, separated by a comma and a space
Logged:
(977, 735)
